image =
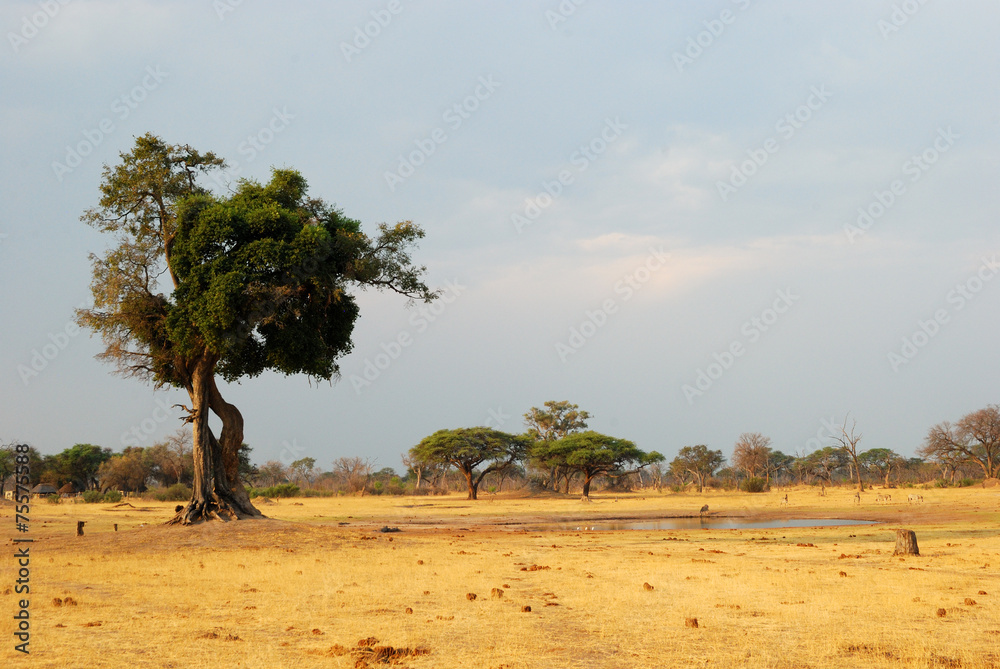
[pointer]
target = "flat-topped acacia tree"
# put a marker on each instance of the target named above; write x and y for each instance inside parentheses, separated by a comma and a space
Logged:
(466, 448)
(201, 286)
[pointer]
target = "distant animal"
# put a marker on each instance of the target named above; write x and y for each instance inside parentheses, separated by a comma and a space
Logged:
(879, 498)
(704, 509)
(784, 500)
(857, 498)
(915, 498)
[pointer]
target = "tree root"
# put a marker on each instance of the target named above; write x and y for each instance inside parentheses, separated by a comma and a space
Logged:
(214, 508)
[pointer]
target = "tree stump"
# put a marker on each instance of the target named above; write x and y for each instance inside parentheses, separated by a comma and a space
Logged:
(116, 527)
(906, 543)
(79, 527)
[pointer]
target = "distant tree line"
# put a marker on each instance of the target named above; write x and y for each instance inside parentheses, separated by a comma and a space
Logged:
(555, 454)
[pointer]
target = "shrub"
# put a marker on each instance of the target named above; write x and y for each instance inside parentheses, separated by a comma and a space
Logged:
(753, 485)
(52, 499)
(280, 490)
(311, 492)
(941, 483)
(92, 496)
(112, 496)
(178, 492)
(966, 482)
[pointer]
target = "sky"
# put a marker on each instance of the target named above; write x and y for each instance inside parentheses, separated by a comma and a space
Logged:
(693, 220)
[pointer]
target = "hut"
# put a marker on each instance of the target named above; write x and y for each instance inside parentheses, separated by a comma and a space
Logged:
(43, 489)
(9, 486)
(67, 490)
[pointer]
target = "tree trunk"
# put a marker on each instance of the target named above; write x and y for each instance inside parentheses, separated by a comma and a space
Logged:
(212, 495)
(472, 486)
(230, 442)
(906, 543)
(586, 486)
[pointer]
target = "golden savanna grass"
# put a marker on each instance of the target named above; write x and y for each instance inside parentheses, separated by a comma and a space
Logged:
(301, 589)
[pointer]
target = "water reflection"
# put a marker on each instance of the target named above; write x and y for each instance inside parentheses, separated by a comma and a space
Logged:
(700, 523)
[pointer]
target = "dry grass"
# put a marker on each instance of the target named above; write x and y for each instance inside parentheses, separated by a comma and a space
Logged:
(300, 590)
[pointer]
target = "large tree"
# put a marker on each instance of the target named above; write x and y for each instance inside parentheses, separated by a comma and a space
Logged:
(751, 453)
(469, 447)
(591, 454)
(881, 461)
(700, 461)
(974, 440)
(555, 421)
(848, 444)
(199, 286)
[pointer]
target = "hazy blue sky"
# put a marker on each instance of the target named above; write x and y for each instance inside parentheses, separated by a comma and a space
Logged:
(692, 219)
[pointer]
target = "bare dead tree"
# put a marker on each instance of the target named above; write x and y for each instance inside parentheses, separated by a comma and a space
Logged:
(848, 443)
(354, 473)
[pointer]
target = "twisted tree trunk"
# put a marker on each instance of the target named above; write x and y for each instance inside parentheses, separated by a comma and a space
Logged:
(217, 492)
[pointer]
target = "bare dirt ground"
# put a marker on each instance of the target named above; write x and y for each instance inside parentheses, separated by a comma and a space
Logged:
(318, 585)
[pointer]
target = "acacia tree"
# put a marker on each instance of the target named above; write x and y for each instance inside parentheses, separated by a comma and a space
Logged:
(882, 461)
(200, 286)
(824, 462)
(591, 454)
(751, 453)
(555, 421)
(778, 463)
(974, 440)
(700, 461)
(469, 447)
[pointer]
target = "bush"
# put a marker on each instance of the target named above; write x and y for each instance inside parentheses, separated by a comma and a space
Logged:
(966, 482)
(112, 496)
(52, 499)
(753, 485)
(92, 496)
(941, 483)
(178, 492)
(310, 492)
(280, 490)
